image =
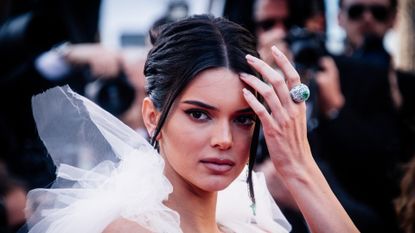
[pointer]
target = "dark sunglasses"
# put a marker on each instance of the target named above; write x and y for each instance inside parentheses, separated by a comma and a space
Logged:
(379, 12)
(267, 24)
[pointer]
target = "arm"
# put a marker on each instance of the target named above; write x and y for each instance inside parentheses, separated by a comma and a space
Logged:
(102, 61)
(286, 136)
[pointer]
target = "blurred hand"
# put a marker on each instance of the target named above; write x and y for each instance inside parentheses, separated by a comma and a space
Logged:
(103, 62)
(268, 39)
(133, 66)
(331, 99)
(132, 63)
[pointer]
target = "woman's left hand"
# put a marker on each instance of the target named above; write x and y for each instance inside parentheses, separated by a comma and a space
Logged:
(284, 125)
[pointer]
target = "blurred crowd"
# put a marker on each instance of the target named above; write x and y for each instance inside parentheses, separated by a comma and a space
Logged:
(361, 114)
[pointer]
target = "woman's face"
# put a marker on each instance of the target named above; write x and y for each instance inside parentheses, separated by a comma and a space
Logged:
(207, 136)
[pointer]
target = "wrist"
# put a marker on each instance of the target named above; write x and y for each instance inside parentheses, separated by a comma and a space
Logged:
(298, 170)
(306, 181)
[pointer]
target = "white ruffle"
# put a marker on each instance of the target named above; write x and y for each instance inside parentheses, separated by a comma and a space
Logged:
(107, 171)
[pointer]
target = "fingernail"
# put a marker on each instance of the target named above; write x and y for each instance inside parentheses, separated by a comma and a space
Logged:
(244, 75)
(250, 58)
(245, 91)
(276, 51)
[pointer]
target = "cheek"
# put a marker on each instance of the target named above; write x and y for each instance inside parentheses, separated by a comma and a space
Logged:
(380, 28)
(182, 141)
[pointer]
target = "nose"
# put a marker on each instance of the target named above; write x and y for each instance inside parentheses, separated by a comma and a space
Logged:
(367, 16)
(222, 136)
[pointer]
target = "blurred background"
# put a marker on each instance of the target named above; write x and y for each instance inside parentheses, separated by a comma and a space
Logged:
(357, 57)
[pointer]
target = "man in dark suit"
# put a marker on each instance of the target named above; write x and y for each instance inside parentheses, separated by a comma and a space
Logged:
(361, 139)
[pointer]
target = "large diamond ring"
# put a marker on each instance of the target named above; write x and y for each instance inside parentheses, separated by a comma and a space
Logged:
(300, 93)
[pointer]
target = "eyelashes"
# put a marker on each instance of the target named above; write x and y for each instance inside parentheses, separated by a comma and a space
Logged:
(198, 115)
(246, 119)
(201, 116)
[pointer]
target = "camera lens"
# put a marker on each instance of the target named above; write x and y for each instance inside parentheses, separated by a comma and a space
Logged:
(307, 48)
(115, 95)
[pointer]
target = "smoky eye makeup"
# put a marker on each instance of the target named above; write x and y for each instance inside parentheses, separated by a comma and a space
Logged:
(245, 119)
(197, 114)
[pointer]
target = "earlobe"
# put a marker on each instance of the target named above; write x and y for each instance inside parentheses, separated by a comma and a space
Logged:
(150, 116)
(340, 18)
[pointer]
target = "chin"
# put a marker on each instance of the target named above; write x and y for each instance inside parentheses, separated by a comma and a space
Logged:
(216, 184)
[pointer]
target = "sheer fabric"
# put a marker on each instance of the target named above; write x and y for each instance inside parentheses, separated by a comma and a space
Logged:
(108, 171)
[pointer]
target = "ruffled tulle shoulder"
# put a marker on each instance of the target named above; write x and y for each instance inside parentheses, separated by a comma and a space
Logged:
(107, 171)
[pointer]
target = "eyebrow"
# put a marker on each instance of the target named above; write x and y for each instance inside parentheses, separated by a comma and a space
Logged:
(207, 106)
(200, 104)
(245, 110)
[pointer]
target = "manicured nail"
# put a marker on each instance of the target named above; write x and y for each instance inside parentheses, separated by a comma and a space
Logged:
(246, 92)
(276, 51)
(244, 75)
(250, 58)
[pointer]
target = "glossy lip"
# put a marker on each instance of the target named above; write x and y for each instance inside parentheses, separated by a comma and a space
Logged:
(218, 166)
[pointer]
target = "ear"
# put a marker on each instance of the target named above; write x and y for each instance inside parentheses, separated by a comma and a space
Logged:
(341, 18)
(150, 116)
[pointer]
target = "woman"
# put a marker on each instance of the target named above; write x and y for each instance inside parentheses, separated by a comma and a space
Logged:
(203, 117)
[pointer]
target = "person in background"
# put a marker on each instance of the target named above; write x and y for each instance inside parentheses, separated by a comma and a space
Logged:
(43, 44)
(361, 139)
(341, 126)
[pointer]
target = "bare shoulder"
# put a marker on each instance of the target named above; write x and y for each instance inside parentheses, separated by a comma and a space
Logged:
(122, 225)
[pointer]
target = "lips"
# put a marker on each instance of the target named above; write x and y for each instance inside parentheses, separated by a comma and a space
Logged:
(218, 166)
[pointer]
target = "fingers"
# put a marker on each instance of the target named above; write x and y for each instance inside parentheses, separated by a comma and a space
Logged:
(272, 77)
(277, 96)
(292, 76)
(264, 90)
(258, 108)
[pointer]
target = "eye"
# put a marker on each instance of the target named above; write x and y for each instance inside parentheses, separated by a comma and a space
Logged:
(197, 115)
(245, 120)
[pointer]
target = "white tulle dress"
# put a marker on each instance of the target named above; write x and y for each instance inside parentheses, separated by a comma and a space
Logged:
(107, 171)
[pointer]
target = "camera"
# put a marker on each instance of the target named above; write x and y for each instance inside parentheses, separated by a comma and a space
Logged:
(115, 94)
(307, 48)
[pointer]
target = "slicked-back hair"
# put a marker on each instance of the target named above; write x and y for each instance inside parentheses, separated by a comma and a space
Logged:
(183, 49)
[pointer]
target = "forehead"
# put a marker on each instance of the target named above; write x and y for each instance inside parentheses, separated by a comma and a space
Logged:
(271, 9)
(382, 2)
(215, 85)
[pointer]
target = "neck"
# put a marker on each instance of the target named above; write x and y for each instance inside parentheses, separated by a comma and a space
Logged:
(197, 208)
(349, 49)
